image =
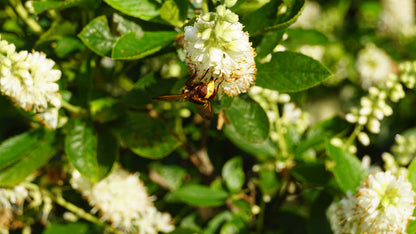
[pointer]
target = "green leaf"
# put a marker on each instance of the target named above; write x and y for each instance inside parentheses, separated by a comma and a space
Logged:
(97, 36)
(300, 36)
(146, 136)
(92, 154)
(174, 12)
(315, 137)
(14, 148)
(130, 46)
(41, 6)
(68, 45)
(70, 228)
(313, 173)
(57, 31)
(200, 195)
(143, 9)
(318, 222)
(38, 151)
(268, 43)
(265, 149)
(248, 119)
(290, 72)
(215, 223)
(145, 89)
(235, 225)
(170, 176)
(348, 171)
(268, 17)
(411, 227)
(81, 148)
(269, 182)
(412, 173)
(125, 26)
(233, 174)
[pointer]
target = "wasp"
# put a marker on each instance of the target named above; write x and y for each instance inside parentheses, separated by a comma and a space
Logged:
(200, 94)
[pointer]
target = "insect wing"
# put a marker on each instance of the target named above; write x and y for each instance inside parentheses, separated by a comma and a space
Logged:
(172, 98)
(205, 110)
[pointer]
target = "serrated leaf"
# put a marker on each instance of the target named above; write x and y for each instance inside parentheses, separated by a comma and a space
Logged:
(290, 72)
(130, 46)
(348, 170)
(143, 9)
(200, 195)
(233, 174)
(146, 136)
(30, 158)
(97, 36)
(268, 17)
(248, 119)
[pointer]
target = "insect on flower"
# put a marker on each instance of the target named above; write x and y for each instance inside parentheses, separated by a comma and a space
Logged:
(199, 94)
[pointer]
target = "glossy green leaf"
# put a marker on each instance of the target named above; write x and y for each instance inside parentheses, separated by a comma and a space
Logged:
(81, 148)
(174, 12)
(41, 6)
(233, 174)
(200, 195)
(125, 26)
(269, 41)
(14, 148)
(265, 149)
(146, 136)
(268, 17)
(68, 45)
(92, 154)
(215, 223)
(97, 36)
(38, 151)
(249, 120)
(411, 175)
(130, 46)
(290, 72)
(170, 176)
(347, 170)
(143, 9)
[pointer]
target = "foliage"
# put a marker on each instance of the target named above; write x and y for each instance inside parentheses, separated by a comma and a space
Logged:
(268, 161)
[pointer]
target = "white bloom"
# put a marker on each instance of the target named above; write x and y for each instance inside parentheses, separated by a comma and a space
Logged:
(398, 16)
(374, 65)
(11, 204)
(217, 42)
(29, 80)
(383, 204)
(122, 200)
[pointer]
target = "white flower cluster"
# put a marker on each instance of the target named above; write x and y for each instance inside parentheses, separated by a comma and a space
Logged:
(398, 17)
(29, 80)
(217, 42)
(383, 204)
(123, 201)
(11, 204)
(373, 65)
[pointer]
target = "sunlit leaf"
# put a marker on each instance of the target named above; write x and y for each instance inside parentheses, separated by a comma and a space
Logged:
(200, 195)
(143, 9)
(97, 36)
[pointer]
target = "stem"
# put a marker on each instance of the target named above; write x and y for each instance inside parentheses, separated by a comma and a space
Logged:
(260, 220)
(353, 135)
(281, 139)
(22, 12)
(76, 210)
(71, 108)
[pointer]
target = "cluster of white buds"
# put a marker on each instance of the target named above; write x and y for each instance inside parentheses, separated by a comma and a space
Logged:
(123, 201)
(374, 107)
(404, 150)
(29, 80)
(383, 204)
(408, 73)
(216, 42)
